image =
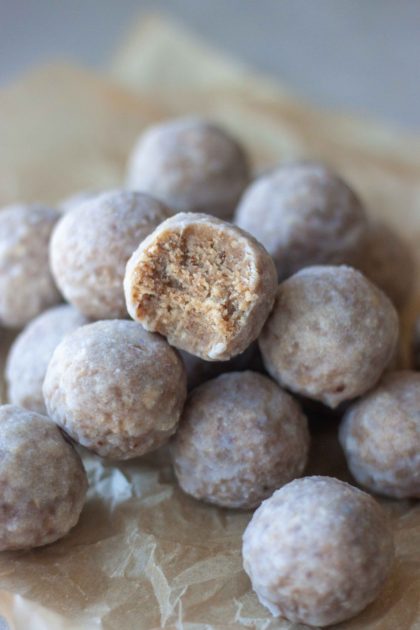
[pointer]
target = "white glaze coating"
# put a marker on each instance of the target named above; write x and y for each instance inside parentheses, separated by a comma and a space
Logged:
(31, 352)
(26, 285)
(318, 551)
(304, 214)
(42, 480)
(192, 165)
(331, 334)
(240, 437)
(115, 388)
(380, 435)
(91, 245)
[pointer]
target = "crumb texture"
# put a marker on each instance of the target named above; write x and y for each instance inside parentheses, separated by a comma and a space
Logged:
(330, 335)
(26, 285)
(380, 435)
(240, 438)
(115, 388)
(304, 215)
(202, 283)
(192, 165)
(42, 480)
(318, 551)
(31, 352)
(91, 245)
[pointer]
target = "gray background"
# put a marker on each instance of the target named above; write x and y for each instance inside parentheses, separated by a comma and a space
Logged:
(360, 55)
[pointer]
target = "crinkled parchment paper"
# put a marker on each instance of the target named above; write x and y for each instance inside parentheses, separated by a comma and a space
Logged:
(145, 556)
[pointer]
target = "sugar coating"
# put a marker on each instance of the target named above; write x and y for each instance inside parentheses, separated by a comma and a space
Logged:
(304, 214)
(240, 438)
(115, 388)
(26, 285)
(330, 335)
(91, 245)
(388, 262)
(203, 283)
(192, 165)
(318, 551)
(42, 480)
(31, 352)
(380, 435)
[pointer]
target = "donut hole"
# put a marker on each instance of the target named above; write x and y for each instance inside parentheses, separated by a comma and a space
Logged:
(195, 283)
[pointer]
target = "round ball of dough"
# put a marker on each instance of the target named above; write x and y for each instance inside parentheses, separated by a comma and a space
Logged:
(31, 352)
(26, 285)
(240, 438)
(304, 214)
(192, 165)
(380, 435)
(330, 335)
(115, 388)
(204, 284)
(388, 262)
(91, 245)
(318, 551)
(42, 479)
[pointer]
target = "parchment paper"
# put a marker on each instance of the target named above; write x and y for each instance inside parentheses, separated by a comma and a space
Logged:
(145, 556)
(63, 129)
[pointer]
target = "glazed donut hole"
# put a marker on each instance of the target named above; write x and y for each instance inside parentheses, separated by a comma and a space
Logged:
(240, 438)
(91, 244)
(192, 165)
(330, 335)
(318, 551)
(115, 389)
(204, 284)
(26, 285)
(31, 352)
(304, 214)
(42, 480)
(380, 436)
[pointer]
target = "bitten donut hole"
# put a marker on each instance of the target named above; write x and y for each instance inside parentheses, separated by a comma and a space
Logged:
(197, 283)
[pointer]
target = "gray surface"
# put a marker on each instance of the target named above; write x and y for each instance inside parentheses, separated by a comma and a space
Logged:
(361, 55)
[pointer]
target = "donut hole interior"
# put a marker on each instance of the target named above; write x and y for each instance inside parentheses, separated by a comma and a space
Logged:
(195, 286)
